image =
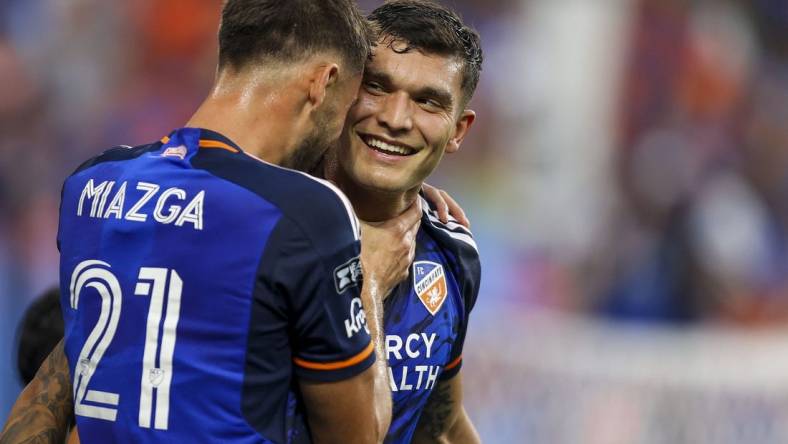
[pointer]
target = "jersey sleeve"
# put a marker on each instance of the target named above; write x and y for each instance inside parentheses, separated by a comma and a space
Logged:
(320, 282)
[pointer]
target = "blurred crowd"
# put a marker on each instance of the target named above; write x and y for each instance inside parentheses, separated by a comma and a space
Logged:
(700, 228)
(629, 160)
(680, 212)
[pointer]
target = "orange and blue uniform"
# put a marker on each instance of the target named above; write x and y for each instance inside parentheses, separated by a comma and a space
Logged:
(426, 318)
(199, 284)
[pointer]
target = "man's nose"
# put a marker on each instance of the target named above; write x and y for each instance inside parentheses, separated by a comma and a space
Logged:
(396, 114)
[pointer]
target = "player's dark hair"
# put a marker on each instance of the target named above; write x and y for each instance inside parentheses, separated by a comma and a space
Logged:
(433, 29)
(40, 331)
(291, 30)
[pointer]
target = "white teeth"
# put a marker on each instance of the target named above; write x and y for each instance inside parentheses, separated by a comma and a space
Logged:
(383, 146)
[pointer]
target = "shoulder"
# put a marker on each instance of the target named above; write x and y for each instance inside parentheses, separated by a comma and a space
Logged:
(316, 204)
(459, 247)
(316, 207)
(116, 153)
(451, 235)
(320, 210)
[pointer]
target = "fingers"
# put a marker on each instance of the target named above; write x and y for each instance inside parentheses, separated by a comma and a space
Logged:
(455, 210)
(445, 206)
(435, 197)
(443, 212)
(406, 238)
(409, 245)
(389, 247)
(412, 216)
(412, 241)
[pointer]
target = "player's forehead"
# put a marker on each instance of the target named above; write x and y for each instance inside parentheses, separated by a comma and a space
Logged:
(412, 68)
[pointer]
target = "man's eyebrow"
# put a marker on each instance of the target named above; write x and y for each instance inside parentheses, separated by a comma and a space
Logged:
(370, 74)
(443, 96)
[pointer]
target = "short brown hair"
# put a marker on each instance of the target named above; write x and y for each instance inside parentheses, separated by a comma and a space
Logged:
(435, 29)
(290, 30)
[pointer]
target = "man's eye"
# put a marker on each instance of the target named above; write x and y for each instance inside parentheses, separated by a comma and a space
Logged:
(430, 103)
(373, 86)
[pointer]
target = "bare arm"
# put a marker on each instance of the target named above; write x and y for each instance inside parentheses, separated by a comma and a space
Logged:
(463, 430)
(339, 412)
(43, 411)
(387, 250)
(354, 410)
(358, 410)
(444, 419)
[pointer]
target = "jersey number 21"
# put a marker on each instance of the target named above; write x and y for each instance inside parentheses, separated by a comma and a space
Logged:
(151, 282)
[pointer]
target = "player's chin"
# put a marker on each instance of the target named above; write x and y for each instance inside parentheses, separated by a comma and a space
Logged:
(387, 181)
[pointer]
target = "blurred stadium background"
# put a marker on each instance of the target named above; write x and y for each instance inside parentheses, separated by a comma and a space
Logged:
(627, 179)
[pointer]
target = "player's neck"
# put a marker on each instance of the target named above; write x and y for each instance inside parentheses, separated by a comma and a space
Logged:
(371, 205)
(251, 115)
(376, 205)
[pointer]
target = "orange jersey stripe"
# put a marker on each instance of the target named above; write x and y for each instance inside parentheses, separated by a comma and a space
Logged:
(207, 144)
(216, 144)
(453, 363)
(339, 364)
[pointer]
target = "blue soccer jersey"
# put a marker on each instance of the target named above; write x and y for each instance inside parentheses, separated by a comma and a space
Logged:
(426, 317)
(198, 285)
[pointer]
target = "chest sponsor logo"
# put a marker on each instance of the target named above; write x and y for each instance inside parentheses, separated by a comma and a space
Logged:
(429, 282)
(410, 366)
(347, 275)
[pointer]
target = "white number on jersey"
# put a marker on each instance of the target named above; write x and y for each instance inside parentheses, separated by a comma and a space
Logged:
(151, 282)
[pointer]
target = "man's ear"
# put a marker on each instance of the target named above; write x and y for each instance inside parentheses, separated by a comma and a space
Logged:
(463, 124)
(323, 76)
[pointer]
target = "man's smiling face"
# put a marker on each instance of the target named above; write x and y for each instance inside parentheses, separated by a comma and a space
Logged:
(407, 115)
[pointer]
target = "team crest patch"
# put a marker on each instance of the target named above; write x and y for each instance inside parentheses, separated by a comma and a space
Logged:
(429, 281)
(175, 151)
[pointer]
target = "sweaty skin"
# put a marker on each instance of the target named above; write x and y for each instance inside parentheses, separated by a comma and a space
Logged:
(408, 100)
(49, 393)
(312, 101)
(387, 249)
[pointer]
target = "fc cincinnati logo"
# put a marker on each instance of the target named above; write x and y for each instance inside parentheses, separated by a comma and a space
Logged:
(429, 281)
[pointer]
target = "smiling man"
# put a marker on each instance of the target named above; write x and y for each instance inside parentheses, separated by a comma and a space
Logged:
(210, 295)
(411, 109)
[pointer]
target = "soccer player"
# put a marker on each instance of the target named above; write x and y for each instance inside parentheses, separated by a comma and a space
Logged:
(425, 319)
(210, 296)
(410, 111)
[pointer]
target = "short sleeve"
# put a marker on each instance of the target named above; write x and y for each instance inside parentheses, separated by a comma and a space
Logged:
(322, 291)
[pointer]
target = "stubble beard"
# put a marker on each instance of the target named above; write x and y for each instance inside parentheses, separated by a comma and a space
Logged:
(313, 147)
(309, 153)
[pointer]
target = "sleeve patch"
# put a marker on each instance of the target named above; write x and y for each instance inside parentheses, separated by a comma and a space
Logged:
(348, 275)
